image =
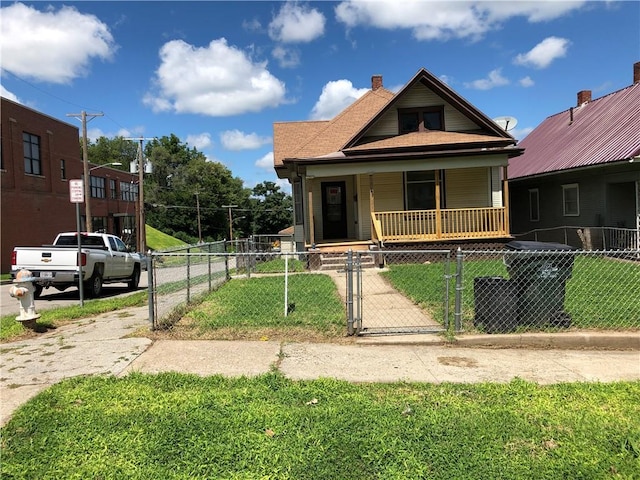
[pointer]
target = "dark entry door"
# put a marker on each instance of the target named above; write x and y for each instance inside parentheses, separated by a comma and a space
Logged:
(334, 210)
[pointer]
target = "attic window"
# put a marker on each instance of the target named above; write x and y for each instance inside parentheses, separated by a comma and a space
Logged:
(420, 119)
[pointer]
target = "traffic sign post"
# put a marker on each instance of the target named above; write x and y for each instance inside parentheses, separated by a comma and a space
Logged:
(76, 195)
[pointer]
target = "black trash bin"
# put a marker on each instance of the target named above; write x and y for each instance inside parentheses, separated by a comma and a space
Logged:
(540, 277)
(495, 304)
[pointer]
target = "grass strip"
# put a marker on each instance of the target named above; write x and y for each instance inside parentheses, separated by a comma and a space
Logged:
(176, 426)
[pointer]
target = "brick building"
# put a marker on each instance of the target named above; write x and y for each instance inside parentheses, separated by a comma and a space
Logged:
(39, 155)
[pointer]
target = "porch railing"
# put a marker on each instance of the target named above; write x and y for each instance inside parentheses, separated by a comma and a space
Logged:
(447, 224)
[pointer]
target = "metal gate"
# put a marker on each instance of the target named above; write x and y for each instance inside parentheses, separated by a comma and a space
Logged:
(397, 292)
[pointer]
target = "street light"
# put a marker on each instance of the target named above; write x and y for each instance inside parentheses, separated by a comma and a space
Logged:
(87, 200)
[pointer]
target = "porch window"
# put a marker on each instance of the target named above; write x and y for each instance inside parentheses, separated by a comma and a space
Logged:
(571, 200)
(420, 119)
(534, 205)
(420, 188)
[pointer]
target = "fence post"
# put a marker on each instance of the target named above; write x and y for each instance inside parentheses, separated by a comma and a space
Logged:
(447, 281)
(209, 245)
(188, 274)
(226, 263)
(349, 273)
(458, 307)
(357, 321)
(150, 291)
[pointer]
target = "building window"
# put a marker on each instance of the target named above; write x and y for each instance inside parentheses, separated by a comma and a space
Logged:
(99, 224)
(420, 188)
(534, 205)
(128, 191)
(297, 202)
(571, 200)
(31, 147)
(420, 119)
(113, 192)
(98, 189)
(63, 169)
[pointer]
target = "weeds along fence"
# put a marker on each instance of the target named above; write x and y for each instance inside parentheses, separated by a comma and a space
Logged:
(395, 292)
(587, 238)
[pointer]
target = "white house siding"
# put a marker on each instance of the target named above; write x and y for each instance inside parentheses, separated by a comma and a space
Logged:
(468, 188)
(420, 96)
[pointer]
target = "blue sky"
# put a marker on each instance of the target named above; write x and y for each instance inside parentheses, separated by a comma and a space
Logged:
(218, 73)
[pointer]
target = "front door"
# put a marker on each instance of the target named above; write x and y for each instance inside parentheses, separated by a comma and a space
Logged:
(334, 210)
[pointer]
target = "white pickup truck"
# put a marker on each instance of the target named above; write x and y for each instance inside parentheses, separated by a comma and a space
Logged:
(104, 258)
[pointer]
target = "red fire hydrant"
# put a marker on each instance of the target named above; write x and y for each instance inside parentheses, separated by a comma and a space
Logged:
(23, 290)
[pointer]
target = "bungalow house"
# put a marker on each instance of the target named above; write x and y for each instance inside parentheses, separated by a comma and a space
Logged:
(578, 181)
(421, 167)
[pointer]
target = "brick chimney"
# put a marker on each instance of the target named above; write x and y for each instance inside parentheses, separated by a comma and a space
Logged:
(376, 82)
(584, 96)
(636, 73)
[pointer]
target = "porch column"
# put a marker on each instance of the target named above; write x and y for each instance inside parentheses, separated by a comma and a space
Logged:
(312, 237)
(438, 212)
(372, 209)
(505, 190)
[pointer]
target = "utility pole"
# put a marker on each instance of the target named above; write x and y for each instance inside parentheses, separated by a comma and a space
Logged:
(230, 220)
(141, 224)
(197, 194)
(85, 161)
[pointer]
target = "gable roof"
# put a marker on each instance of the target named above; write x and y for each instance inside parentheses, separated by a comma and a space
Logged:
(316, 138)
(443, 91)
(598, 132)
(345, 136)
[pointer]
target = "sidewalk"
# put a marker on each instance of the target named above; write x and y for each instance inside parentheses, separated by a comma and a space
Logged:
(102, 346)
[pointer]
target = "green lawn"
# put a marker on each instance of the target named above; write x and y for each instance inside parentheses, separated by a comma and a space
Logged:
(601, 293)
(255, 307)
(175, 426)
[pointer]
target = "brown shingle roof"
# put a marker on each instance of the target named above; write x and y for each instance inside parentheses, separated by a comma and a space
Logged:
(316, 138)
(288, 136)
(427, 139)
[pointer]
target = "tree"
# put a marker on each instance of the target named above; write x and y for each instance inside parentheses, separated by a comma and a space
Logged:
(117, 149)
(272, 209)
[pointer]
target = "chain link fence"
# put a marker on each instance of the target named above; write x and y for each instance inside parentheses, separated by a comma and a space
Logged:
(397, 291)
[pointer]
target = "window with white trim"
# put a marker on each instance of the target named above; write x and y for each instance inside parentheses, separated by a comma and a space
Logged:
(534, 205)
(570, 200)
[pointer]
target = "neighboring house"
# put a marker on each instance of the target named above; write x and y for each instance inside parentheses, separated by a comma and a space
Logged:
(422, 166)
(581, 168)
(39, 155)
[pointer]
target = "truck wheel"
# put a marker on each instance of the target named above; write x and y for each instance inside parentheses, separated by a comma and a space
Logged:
(135, 278)
(37, 290)
(94, 285)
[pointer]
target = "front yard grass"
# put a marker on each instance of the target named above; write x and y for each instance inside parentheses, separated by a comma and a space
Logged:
(176, 426)
(254, 308)
(602, 293)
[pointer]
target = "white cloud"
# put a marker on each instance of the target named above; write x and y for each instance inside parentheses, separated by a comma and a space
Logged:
(52, 46)
(237, 140)
(94, 134)
(286, 57)
(217, 80)
(520, 133)
(7, 94)
(494, 79)
(526, 82)
(335, 97)
(544, 53)
(442, 20)
(296, 24)
(265, 162)
(200, 141)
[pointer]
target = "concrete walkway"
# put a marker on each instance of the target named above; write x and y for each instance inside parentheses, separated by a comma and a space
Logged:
(103, 346)
(383, 307)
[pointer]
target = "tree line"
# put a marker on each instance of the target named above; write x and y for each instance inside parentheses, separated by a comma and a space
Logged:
(182, 178)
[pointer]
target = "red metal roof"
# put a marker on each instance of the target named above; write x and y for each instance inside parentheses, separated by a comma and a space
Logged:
(602, 131)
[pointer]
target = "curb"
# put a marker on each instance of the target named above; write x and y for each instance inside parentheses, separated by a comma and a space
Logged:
(568, 341)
